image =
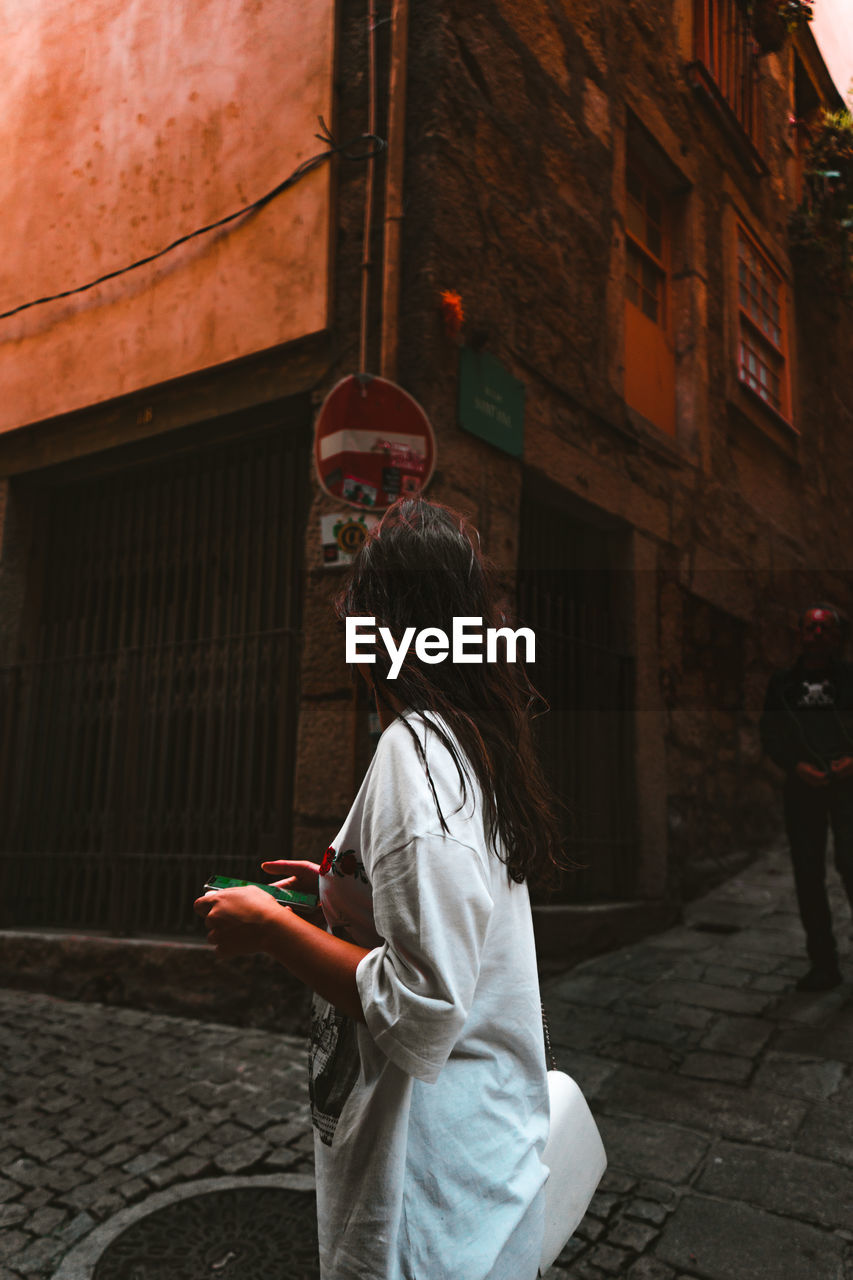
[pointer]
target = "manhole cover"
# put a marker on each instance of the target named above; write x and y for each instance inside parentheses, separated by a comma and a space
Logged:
(249, 1233)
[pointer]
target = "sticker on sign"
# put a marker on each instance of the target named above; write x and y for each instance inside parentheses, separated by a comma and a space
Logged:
(342, 536)
(372, 443)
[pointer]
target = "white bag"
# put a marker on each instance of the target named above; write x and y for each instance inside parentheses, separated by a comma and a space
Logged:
(575, 1156)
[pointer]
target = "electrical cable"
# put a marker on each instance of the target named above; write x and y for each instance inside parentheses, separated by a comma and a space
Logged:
(307, 166)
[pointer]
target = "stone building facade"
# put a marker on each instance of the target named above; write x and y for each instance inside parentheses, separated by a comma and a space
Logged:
(729, 513)
(600, 192)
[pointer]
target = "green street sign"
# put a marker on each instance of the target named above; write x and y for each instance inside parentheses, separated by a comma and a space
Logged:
(491, 401)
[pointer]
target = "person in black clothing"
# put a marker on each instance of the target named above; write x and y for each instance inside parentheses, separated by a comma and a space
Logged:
(807, 729)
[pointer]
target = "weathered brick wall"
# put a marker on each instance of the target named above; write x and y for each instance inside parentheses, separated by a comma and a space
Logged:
(515, 184)
(330, 752)
(470, 476)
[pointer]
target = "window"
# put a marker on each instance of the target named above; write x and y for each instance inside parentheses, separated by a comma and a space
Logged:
(645, 281)
(762, 364)
(727, 54)
(649, 354)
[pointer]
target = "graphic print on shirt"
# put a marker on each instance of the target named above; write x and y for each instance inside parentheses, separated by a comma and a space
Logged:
(816, 693)
(333, 1067)
(344, 863)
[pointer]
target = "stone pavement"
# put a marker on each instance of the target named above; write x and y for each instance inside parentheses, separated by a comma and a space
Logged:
(724, 1098)
(101, 1107)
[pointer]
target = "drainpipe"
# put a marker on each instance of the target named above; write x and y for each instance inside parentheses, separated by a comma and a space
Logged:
(393, 229)
(366, 257)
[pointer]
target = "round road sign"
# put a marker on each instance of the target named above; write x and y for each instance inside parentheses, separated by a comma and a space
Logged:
(373, 443)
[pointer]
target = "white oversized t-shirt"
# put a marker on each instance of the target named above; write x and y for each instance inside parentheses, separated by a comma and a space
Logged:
(430, 1120)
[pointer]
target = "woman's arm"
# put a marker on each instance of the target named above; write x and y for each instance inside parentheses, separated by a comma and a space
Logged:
(242, 922)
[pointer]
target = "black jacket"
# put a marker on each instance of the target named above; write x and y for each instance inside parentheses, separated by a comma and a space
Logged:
(783, 736)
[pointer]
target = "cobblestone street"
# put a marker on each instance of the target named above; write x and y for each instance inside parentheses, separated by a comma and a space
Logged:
(724, 1097)
(101, 1107)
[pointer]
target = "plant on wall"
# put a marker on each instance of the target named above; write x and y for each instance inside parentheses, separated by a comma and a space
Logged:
(772, 21)
(795, 13)
(821, 229)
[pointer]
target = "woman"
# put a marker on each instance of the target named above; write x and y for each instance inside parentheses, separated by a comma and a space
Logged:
(428, 1079)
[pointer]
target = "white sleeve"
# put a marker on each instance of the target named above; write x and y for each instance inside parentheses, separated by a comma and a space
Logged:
(432, 905)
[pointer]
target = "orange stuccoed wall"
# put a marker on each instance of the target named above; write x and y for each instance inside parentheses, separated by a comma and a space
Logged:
(125, 126)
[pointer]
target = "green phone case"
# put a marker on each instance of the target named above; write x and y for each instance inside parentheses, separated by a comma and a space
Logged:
(288, 897)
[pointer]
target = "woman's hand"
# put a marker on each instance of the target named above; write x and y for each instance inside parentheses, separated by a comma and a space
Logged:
(304, 877)
(301, 876)
(241, 922)
(811, 776)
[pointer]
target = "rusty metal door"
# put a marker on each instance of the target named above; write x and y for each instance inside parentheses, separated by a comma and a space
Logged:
(574, 594)
(149, 740)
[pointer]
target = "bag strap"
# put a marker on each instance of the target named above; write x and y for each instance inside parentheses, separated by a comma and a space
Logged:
(546, 1030)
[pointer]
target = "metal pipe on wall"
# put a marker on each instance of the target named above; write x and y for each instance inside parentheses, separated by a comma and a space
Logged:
(366, 258)
(392, 230)
(392, 239)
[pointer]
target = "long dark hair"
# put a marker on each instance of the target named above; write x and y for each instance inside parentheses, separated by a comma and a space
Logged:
(420, 567)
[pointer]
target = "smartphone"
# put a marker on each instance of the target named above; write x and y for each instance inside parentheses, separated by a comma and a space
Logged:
(287, 897)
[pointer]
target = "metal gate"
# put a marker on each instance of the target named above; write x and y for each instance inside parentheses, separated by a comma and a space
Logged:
(149, 741)
(576, 598)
